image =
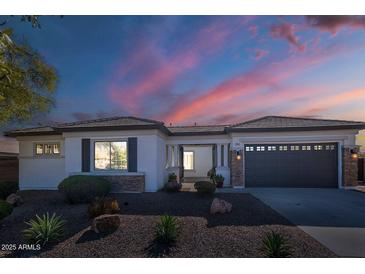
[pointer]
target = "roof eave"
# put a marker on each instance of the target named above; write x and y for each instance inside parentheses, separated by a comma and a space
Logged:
(313, 128)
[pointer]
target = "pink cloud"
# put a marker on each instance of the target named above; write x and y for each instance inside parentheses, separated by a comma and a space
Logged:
(333, 23)
(287, 31)
(159, 80)
(242, 92)
(260, 53)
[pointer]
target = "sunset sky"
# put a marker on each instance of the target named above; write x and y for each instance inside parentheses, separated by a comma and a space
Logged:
(208, 70)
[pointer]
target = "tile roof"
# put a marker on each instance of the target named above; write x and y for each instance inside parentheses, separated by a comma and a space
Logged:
(267, 123)
(110, 122)
(276, 122)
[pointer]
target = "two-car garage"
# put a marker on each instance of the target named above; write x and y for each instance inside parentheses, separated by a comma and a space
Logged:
(291, 165)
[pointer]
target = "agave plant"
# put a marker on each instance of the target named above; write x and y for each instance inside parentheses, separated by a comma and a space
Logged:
(276, 246)
(44, 229)
(167, 229)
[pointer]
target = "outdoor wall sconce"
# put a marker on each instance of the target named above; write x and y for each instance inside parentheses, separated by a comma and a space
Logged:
(354, 154)
(238, 155)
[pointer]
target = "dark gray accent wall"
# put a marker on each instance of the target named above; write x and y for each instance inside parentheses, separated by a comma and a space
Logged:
(85, 155)
(132, 154)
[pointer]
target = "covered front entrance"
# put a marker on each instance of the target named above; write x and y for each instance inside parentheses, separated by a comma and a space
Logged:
(197, 160)
(291, 165)
(192, 162)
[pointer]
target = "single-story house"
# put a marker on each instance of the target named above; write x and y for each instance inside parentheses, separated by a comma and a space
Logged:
(137, 154)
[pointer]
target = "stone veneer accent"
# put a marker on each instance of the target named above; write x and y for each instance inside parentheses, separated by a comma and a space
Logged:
(237, 176)
(127, 183)
(349, 167)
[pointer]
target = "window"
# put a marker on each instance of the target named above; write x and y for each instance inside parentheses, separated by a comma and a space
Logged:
(318, 147)
(271, 148)
(260, 148)
(189, 160)
(248, 148)
(110, 155)
(48, 149)
(283, 148)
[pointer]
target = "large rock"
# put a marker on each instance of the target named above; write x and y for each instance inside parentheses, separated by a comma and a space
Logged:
(105, 223)
(14, 200)
(220, 206)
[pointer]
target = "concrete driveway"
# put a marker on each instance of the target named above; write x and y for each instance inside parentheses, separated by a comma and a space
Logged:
(334, 217)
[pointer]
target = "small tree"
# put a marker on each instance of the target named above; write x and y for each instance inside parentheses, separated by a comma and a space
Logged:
(27, 83)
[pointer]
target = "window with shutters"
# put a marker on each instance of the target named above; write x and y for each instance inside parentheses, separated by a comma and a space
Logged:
(110, 155)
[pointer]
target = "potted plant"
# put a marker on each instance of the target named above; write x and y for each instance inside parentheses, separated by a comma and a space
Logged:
(219, 179)
(172, 177)
(172, 185)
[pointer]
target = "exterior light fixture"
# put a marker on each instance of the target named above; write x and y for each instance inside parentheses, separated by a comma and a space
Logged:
(238, 155)
(354, 154)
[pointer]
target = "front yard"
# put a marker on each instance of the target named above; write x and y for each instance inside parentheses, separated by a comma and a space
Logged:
(237, 234)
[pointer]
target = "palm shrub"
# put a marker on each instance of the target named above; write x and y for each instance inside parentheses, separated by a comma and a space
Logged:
(44, 229)
(276, 246)
(167, 229)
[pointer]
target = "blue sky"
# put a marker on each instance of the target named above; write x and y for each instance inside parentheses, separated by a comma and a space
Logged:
(204, 69)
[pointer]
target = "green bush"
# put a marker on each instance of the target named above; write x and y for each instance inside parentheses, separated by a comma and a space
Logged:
(7, 188)
(44, 229)
(167, 229)
(83, 189)
(275, 245)
(5, 209)
(101, 206)
(205, 187)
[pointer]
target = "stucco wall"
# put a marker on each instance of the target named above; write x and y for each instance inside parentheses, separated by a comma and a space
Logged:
(202, 161)
(150, 153)
(40, 172)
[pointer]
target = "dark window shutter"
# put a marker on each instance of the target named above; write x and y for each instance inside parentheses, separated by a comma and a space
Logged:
(85, 155)
(132, 154)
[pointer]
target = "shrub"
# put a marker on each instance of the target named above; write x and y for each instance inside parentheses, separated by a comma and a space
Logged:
(5, 209)
(82, 189)
(101, 206)
(205, 187)
(7, 188)
(167, 229)
(172, 177)
(44, 229)
(276, 246)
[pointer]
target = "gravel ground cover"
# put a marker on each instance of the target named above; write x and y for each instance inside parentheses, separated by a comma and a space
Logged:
(237, 234)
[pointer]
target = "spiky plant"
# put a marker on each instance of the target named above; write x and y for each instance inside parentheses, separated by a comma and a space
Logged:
(167, 229)
(44, 229)
(276, 246)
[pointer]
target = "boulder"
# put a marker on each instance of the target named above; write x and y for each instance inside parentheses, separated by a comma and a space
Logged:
(220, 206)
(14, 200)
(105, 223)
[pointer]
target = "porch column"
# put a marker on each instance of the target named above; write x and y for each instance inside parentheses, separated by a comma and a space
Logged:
(219, 155)
(169, 156)
(225, 155)
(176, 156)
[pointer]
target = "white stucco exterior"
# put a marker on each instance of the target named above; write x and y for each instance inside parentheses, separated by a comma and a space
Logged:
(156, 153)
